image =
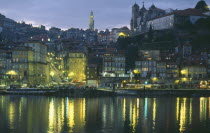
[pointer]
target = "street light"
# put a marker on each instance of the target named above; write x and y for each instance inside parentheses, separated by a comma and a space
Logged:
(11, 72)
(52, 73)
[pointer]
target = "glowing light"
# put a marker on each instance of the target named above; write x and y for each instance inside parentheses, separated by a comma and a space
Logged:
(52, 73)
(183, 71)
(11, 114)
(203, 108)
(183, 114)
(122, 34)
(145, 108)
(51, 116)
(71, 116)
(12, 72)
(124, 81)
(154, 113)
(154, 79)
(124, 109)
(136, 71)
(184, 79)
(176, 81)
(82, 111)
(177, 108)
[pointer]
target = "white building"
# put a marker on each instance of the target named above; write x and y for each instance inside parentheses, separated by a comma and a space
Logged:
(175, 18)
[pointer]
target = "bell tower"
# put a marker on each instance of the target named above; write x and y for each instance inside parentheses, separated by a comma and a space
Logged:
(91, 23)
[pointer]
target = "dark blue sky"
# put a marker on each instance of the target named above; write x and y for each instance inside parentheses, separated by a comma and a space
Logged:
(75, 13)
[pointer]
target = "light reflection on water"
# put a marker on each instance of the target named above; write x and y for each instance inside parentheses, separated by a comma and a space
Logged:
(104, 115)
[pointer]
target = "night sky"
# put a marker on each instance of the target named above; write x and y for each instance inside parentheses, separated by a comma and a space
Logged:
(75, 13)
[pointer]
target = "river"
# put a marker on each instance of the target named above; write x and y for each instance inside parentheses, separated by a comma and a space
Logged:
(40, 114)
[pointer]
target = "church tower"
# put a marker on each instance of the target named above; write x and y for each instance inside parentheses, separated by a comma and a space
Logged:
(91, 23)
(135, 15)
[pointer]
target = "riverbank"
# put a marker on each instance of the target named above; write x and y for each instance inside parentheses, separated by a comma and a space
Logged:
(110, 92)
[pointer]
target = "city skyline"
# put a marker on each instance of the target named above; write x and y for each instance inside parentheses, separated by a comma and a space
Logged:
(65, 14)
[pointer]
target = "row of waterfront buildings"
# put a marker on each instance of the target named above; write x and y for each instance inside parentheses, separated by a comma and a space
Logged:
(33, 63)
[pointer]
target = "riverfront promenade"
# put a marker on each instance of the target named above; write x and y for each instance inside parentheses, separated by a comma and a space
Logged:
(111, 92)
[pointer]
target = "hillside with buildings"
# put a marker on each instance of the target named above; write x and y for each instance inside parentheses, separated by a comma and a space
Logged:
(170, 47)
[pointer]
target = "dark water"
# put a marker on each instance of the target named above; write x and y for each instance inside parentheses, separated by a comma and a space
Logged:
(35, 114)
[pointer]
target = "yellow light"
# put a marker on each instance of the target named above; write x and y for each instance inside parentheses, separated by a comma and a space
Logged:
(12, 72)
(184, 79)
(177, 81)
(122, 34)
(183, 71)
(52, 73)
(136, 71)
(154, 79)
(124, 81)
(71, 74)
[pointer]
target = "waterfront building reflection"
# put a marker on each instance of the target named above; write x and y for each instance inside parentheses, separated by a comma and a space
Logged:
(119, 114)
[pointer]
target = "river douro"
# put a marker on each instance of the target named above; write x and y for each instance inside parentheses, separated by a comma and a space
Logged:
(40, 114)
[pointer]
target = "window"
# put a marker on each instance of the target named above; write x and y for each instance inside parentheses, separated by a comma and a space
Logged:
(144, 69)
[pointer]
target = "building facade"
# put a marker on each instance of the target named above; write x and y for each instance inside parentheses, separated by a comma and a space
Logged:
(113, 65)
(194, 72)
(23, 66)
(5, 66)
(40, 62)
(76, 66)
(92, 75)
(147, 68)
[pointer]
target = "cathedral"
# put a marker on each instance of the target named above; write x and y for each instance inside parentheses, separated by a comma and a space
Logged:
(141, 15)
(158, 19)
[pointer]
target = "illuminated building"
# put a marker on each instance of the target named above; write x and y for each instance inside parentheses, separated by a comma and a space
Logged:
(76, 65)
(119, 32)
(23, 66)
(91, 24)
(41, 70)
(150, 54)
(194, 71)
(172, 69)
(148, 68)
(113, 65)
(5, 66)
(92, 75)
